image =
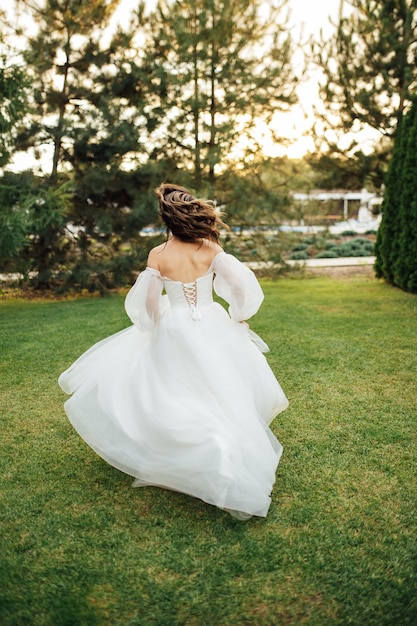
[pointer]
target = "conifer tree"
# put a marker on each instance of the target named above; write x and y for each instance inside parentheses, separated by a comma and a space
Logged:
(59, 58)
(14, 86)
(13, 105)
(88, 106)
(370, 65)
(217, 67)
(396, 247)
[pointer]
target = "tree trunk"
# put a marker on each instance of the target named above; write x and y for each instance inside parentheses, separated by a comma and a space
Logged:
(61, 115)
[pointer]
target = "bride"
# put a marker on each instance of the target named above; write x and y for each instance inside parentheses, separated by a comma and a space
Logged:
(183, 398)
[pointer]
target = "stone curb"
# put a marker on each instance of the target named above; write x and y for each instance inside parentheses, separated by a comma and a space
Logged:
(348, 261)
(338, 262)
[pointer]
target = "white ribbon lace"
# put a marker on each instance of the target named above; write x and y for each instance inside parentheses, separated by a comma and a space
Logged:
(190, 295)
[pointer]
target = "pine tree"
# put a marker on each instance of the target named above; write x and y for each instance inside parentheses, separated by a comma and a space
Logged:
(88, 107)
(170, 98)
(370, 65)
(14, 86)
(59, 58)
(396, 247)
(405, 265)
(13, 105)
(217, 67)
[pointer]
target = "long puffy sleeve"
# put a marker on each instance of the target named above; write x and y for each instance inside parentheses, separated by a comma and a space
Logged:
(238, 285)
(145, 303)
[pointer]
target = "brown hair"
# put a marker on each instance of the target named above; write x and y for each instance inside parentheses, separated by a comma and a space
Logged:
(186, 217)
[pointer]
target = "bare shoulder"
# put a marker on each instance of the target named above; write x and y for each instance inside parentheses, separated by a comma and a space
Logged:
(212, 247)
(153, 256)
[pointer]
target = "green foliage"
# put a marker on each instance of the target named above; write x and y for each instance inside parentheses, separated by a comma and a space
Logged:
(166, 99)
(344, 169)
(327, 254)
(369, 64)
(370, 76)
(45, 238)
(81, 547)
(67, 45)
(101, 269)
(253, 198)
(311, 239)
(256, 247)
(354, 247)
(320, 243)
(88, 103)
(396, 247)
(13, 105)
(110, 208)
(14, 220)
(320, 247)
(299, 247)
(216, 68)
(302, 255)
(33, 217)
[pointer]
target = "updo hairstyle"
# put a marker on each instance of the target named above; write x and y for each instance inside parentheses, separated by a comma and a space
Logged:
(186, 217)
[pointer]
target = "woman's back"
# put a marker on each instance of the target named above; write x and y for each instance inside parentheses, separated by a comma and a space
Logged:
(183, 261)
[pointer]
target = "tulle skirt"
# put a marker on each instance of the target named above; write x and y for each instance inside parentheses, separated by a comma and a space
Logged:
(185, 407)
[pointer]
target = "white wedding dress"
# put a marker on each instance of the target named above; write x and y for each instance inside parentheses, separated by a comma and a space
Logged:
(183, 398)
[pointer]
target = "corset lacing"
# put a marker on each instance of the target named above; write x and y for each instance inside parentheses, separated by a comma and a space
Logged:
(190, 295)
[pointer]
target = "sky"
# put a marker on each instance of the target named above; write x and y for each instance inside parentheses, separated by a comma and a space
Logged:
(313, 16)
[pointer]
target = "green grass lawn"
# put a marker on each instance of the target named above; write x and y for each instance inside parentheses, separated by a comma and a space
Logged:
(79, 546)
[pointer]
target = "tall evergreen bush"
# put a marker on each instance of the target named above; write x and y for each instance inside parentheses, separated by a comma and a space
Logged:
(396, 246)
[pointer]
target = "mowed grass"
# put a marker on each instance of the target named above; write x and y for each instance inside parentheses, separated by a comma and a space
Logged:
(79, 546)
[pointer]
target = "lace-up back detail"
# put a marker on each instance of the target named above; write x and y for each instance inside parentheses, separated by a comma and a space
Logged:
(190, 294)
(194, 296)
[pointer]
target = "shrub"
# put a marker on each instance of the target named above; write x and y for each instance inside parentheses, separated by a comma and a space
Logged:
(300, 247)
(370, 248)
(320, 243)
(361, 240)
(310, 240)
(317, 239)
(357, 247)
(396, 246)
(301, 255)
(344, 249)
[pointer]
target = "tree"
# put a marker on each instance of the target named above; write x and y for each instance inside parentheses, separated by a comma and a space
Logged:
(217, 67)
(370, 65)
(336, 170)
(32, 225)
(396, 246)
(14, 221)
(88, 106)
(14, 87)
(255, 196)
(58, 57)
(13, 105)
(169, 98)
